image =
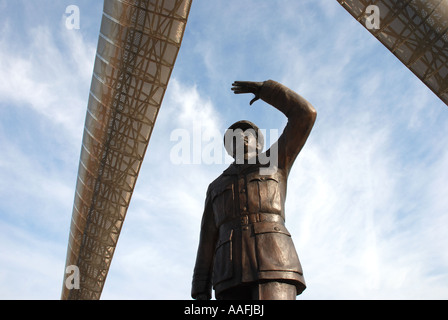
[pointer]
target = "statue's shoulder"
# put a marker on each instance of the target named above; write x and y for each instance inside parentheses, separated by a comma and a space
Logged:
(220, 183)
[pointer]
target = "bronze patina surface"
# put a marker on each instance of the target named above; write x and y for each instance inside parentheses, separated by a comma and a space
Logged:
(245, 251)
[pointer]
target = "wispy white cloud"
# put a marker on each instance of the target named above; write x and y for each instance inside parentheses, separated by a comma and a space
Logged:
(43, 93)
(362, 213)
(31, 265)
(51, 75)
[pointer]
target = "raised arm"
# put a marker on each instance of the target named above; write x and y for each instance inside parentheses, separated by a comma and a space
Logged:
(300, 113)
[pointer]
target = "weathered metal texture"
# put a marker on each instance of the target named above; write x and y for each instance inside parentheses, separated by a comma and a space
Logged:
(138, 45)
(416, 32)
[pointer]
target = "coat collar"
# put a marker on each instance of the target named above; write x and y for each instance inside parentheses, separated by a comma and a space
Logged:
(235, 169)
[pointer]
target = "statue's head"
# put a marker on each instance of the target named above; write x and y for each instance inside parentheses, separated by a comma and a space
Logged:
(243, 140)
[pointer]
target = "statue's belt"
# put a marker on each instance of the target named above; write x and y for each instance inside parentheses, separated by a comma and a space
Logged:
(251, 218)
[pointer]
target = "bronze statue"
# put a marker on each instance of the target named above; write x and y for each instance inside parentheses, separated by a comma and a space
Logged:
(245, 251)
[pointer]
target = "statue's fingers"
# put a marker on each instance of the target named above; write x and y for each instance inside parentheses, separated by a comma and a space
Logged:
(245, 84)
(239, 89)
(239, 83)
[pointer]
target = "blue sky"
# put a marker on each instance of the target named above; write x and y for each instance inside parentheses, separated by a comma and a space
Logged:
(366, 199)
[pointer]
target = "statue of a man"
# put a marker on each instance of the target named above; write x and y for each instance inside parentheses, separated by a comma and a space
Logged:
(245, 251)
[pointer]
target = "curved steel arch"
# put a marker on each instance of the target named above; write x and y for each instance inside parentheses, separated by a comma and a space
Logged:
(416, 32)
(137, 48)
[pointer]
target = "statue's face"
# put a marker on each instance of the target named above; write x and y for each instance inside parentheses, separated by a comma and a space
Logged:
(244, 145)
(243, 141)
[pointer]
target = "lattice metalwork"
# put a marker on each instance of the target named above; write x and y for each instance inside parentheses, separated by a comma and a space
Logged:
(415, 31)
(138, 45)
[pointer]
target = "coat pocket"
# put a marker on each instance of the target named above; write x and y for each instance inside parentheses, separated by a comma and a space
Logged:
(223, 261)
(264, 193)
(275, 248)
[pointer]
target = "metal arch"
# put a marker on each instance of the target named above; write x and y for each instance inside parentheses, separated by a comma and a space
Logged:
(137, 48)
(416, 32)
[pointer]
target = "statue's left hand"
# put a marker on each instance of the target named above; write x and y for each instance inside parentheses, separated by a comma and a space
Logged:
(239, 87)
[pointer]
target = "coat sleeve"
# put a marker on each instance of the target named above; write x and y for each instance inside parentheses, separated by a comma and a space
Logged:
(202, 275)
(301, 117)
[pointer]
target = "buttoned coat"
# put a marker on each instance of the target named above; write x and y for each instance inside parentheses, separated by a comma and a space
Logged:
(243, 235)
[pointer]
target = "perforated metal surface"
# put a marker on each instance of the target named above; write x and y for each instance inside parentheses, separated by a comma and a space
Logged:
(416, 32)
(137, 48)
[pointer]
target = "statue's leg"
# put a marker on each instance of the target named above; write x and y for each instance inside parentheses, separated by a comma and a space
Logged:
(274, 290)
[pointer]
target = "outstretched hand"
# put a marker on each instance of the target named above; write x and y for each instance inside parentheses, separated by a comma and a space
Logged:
(239, 87)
